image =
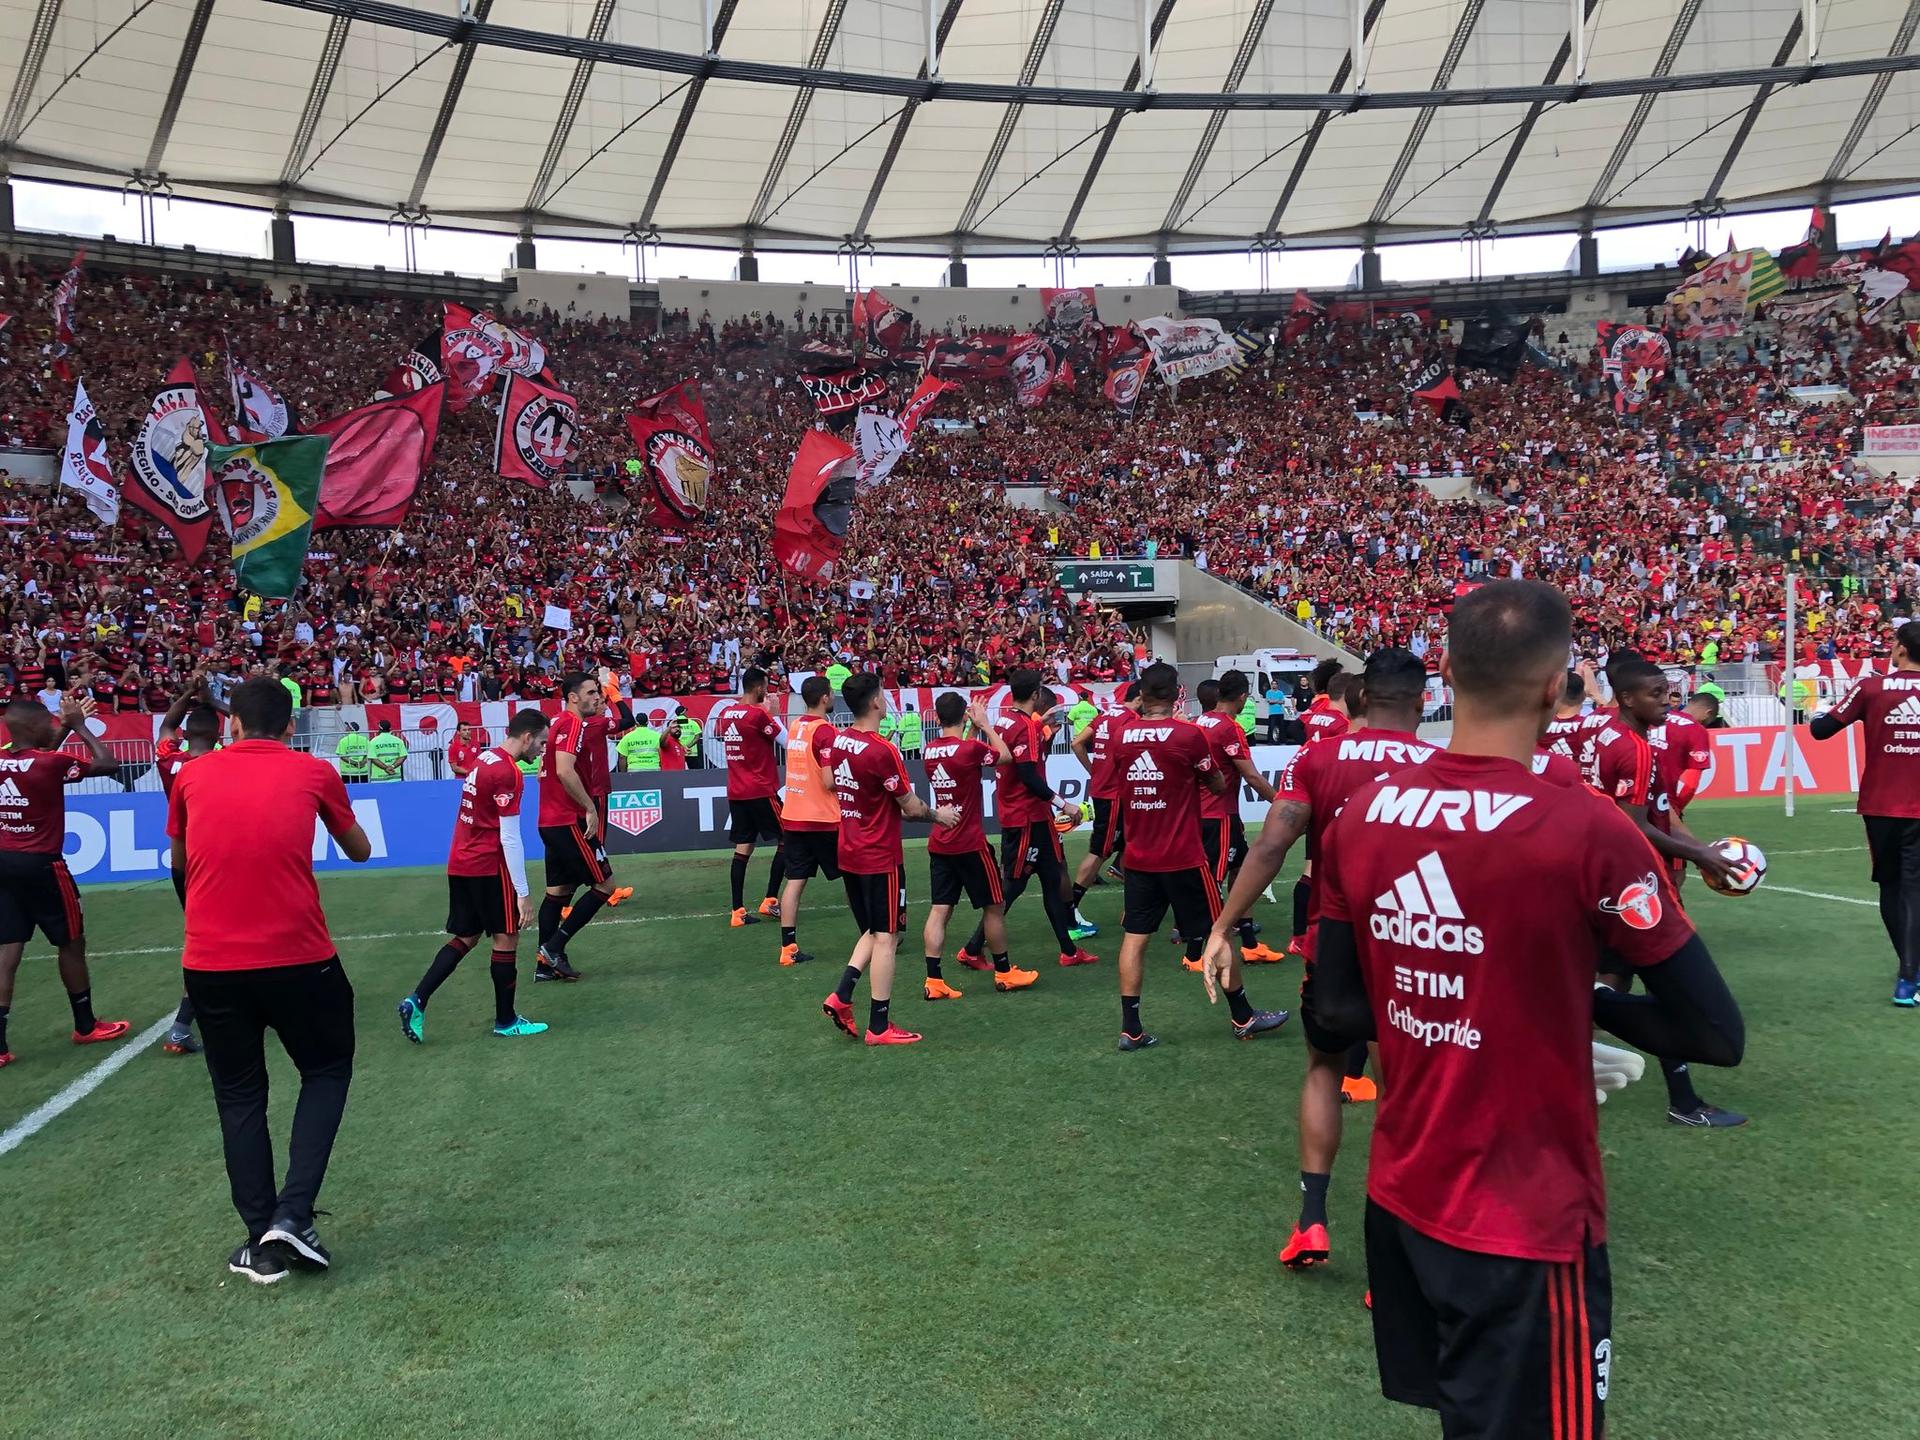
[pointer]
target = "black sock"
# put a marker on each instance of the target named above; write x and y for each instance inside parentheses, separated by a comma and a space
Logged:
(1313, 1198)
(1079, 892)
(550, 909)
(1356, 1065)
(1130, 1014)
(1001, 964)
(1237, 1003)
(1302, 888)
(877, 1021)
(1194, 947)
(584, 910)
(976, 942)
(1247, 938)
(5, 1010)
(182, 1018)
(789, 935)
(933, 967)
(777, 872)
(502, 969)
(83, 1021)
(445, 961)
(1680, 1092)
(738, 879)
(180, 887)
(849, 978)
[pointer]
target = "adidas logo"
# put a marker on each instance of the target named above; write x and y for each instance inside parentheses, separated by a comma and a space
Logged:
(1421, 911)
(1143, 767)
(10, 793)
(843, 775)
(940, 776)
(1907, 712)
(733, 732)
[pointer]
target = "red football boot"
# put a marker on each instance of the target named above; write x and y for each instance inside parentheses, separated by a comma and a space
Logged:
(841, 1014)
(1305, 1248)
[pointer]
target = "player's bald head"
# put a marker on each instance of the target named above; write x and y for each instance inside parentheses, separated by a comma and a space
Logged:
(1508, 643)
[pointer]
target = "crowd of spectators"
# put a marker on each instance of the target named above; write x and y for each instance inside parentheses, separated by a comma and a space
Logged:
(1310, 480)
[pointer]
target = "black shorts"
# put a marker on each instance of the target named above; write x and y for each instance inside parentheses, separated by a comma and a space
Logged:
(572, 859)
(1504, 1349)
(813, 852)
(482, 905)
(1193, 895)
(1106, 828)
(1225, 842)
(1317, 1035)
(1031, 850)
(37, 893)
(975, 873)
(878, 902)
(1892, 841)
(753, 820)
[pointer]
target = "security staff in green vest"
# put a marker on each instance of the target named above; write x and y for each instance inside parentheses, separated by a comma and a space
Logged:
(351, 752)
(527, 767)
(1803, 694)
(889, 725)
(1083, 714)
(386, 754)
(639, 748)
(838, 675)
(1248, 716)
(686, 730)
(911, 733)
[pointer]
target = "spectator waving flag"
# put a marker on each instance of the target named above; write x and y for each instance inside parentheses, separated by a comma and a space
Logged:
(267, 494)
(1251, 344)
(881, 439)
(882, 326)
(811, 529)
(84, 465)
(1070, 310)
(375, 462)
(258, 408)
(537, 434)
(64, 295)
(169, 479)
(475, 346)
(1126, 375)
(676, 449)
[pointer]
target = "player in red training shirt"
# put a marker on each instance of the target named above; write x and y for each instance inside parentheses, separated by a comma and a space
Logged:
(960, 861)
(191, 715)
(870, 781)
(1629, 770)
(463, 750)
(1029, 845)
(1887, 708)
(1465, 903)
(1688, 752)
(1164, 764)
(1093, 747)
(750, 737)
(596, 774)
(1317, 783)
(1222, 834)
(1326, 717)
(36, 890)
(570, 830)
(487, 880)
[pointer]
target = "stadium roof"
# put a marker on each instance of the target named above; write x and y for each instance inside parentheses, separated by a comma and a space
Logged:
(802, 123)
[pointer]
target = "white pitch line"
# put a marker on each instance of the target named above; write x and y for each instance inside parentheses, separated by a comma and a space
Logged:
(1825, 850)
(1818, 895)
(34, 1121)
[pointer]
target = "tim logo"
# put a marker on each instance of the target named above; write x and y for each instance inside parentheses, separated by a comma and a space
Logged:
(634, 811)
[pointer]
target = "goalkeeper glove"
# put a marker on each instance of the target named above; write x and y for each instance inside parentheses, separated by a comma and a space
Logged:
(1614, 1069)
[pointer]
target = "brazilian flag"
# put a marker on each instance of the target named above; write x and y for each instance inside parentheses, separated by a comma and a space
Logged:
(267, 493)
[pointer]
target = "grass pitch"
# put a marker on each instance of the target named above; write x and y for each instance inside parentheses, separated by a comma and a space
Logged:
(692, 1209)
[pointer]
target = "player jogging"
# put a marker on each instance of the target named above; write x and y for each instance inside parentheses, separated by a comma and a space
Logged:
(1465, 903)
(1222, 833)
(870, 781)
(487, 880)
(809, 815)
(1093, 747)
(570, 831)
(1638, 777)
(1326, 717)
(1887, 707)
(36, 889)
(192, 715)
(1029, 845)
(749, 736)
(1164, 762)
(1315, 786)
(959, 860)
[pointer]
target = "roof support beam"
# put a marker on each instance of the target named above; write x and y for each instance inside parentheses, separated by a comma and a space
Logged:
(569, 108)
(1356, 55)
(449, 102)
(27, 78)
(323, 72)
(1442, 77)
(1236, 73)
(1573, 48)
(797, 114)
(177, 91)
(1030, 67)
(930, 68)
(716, 32)
(1112, 127)
(1902, 38)
(1752, 117)
(1663, 67)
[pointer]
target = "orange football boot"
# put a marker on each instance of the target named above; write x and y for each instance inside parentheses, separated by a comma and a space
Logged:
(768, 906)
(1014, 978)
(1306, 1248)
(938, 989)
(1261, 954)
(1358, 1090)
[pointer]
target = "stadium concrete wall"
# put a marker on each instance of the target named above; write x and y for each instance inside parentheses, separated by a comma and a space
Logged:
(1216, 618)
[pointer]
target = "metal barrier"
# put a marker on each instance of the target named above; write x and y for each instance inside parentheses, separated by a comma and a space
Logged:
(134, 761)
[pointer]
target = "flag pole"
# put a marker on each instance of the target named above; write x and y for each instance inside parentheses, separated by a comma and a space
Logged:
(1792, 689)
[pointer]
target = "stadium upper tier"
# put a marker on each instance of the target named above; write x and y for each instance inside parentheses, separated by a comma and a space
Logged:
(974, 125)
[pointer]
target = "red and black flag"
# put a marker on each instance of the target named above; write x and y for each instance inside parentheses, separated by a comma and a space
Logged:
(375, 462)
(1635, 359)
(1803, 261)
(1069, 311)
(881, 326)
(976, 357)
(476, 346)
(835, 397)
(810, 531)
(1300, 317)
(1126, 377)
(416, 370)
(538, 432)
(1433, 384)
(676, 448)
(1034, 371)
(169, 463)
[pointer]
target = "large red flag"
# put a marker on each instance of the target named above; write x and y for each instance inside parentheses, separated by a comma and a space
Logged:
(882, 326)
(538, 432)
(1125, 379)
(811, 529)
(378, 455)
(1300, 317)
(676, 448)
(169, 463)
(475, 346)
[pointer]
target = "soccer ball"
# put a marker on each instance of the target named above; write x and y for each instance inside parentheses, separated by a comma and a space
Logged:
(1066, 824)
(1741, 852)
